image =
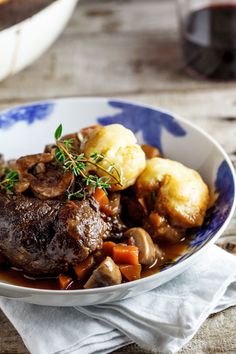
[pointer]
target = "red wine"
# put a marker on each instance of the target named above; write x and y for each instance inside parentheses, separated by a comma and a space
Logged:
(209, 41)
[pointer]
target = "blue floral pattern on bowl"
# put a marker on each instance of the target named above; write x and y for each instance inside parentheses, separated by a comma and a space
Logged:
(28, 114)
(151, 123)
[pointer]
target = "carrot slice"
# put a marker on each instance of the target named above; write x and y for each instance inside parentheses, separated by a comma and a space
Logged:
(83, 268)
(107, 209)
(125, 254)
(107, 249)
(85, 132)
(150, 151)
(101, 197)
(130, 272)
(64, 281)
(155, 220)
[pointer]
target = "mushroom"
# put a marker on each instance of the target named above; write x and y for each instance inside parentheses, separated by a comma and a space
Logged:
(51, 184)
(26, 162)
(141, 239)
(46, 182)
(106, 274)
(21, 187)
(40, 168)
(158, 252)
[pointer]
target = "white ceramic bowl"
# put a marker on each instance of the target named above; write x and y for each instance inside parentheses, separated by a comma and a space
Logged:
(26, 130)
(24, 42)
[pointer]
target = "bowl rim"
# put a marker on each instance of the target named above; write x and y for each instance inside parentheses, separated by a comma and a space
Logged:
(18, 25)
(165, 272)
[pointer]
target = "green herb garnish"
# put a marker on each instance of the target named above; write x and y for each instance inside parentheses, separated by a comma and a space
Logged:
(78, 164)
(76, 195)
(10, 179)
(58, 132)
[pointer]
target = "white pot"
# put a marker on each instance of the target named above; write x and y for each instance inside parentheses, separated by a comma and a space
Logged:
(24, 42)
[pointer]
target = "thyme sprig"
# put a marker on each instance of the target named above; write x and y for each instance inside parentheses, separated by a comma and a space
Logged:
(78, 163)
(76, 195)
(10, 179)
(95, 181)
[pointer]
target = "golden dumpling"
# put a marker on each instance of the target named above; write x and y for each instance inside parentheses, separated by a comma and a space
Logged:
(181, 194)
(119, 147)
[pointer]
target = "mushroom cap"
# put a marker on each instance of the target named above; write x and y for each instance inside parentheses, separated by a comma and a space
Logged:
(143, 241)
(106, 274)
(50, 183)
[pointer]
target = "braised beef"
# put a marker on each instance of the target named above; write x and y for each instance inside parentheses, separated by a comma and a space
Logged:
(47, 237)
(115, 227)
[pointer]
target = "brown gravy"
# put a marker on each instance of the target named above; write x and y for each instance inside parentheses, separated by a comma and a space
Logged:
(171, 252)
(17, 277)
(15, 11)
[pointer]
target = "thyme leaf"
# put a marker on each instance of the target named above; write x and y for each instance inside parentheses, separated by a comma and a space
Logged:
(9, 181)
(58, 132)
(76, 195)
(97, 182)
(77, 163)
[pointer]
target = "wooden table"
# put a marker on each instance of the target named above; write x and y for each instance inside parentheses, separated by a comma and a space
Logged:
(130, 49)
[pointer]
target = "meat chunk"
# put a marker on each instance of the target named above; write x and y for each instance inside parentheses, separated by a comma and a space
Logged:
(47, 237)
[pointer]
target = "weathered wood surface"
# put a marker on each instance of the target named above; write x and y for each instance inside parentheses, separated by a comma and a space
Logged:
(130, 49)
(111, 47)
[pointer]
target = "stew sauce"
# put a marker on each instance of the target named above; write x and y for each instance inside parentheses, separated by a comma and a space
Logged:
(17, 277)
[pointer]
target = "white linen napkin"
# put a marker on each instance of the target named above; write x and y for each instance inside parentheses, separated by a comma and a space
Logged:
(162, 320)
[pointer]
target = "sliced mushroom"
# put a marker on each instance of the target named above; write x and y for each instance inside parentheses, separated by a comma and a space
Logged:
(51, 184)
(40, 168)
(26, 162)
(21, 187)
(48, 182)
(141, 239)
(106, 274)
